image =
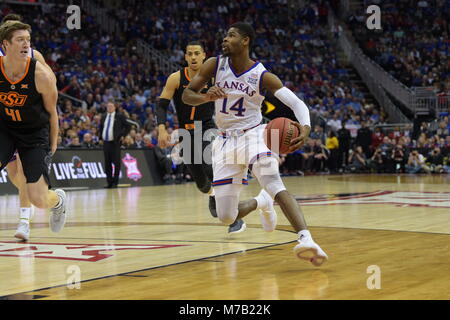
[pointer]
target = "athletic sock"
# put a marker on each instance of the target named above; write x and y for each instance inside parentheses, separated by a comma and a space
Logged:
(261, 202)
(25, 215)
(304, 235)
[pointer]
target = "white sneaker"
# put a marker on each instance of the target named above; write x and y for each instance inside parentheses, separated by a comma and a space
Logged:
(58, 215)
(307, 249)
(23, 231)
(268, 214)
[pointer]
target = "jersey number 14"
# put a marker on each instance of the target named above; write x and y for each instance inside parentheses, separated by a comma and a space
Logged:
(237, 106)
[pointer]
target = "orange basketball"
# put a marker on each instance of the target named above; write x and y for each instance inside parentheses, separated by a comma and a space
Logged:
(279, 133)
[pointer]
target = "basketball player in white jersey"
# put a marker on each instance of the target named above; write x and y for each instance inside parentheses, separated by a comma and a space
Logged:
(238, 94)
(14, 167)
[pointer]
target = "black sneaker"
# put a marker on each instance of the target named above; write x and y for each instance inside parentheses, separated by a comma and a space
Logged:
(237, 226)
(212, 206)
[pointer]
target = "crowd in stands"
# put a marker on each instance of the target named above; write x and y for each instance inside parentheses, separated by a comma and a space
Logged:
(413, 42)
(97, 67)
(423, 148)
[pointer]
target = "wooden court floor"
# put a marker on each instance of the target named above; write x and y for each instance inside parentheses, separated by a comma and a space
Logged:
(387, 237)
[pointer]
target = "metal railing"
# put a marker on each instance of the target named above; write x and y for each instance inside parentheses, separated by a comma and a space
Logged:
(144, 49)
(426, 100)
(101, 15)
(151, 54)
(401, 92)
(355, 56)
(83, 104)
(412, 98)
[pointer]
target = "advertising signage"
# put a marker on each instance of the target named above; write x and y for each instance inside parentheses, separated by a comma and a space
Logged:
(84, 169)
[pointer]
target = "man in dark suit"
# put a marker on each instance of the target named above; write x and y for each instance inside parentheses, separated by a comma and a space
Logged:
(113, 127)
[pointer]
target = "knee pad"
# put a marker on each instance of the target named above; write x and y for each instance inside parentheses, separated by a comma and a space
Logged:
(227, 202)
(267, 172)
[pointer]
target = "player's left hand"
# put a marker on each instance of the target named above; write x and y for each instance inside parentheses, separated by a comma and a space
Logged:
(53, 148)
(298, 142)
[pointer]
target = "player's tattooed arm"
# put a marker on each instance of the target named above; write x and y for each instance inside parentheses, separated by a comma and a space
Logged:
(192, 95)
(46, 86)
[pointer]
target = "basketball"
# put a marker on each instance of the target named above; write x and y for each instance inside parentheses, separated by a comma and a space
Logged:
(279, 133)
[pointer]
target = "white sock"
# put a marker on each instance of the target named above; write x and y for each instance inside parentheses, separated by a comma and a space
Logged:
(261, 202)
(305, 234)
(211, 192)
(25, 214)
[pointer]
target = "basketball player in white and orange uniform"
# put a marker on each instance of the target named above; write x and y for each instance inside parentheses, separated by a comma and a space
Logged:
(14, 167)
(238, 94)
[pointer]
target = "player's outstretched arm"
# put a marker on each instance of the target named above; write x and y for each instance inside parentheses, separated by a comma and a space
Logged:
(173, 81)
(46, 86)
(192, 95)
(273, 84)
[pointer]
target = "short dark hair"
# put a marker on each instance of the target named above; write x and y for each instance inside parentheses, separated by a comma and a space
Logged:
(11, 17)
(245, 30)
(195, 43)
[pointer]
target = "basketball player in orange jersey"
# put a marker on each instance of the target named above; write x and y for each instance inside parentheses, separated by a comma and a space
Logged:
(28, 118)
(238, 93)
(14, 167)
(187, 116)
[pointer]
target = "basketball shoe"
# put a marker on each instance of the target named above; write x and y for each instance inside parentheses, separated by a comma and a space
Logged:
(237, 226)
(307, 249)
(23, 230)
(212, 206)
(58, 215)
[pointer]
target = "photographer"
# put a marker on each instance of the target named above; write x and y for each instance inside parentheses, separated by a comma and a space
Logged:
(378, 161)
(398, 159)
(357, 161)
(436, 161)
(321, 155)
(416, 163)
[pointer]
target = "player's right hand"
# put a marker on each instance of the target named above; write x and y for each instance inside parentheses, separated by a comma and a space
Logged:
(163, 137)
(298, 142)
(214, 93)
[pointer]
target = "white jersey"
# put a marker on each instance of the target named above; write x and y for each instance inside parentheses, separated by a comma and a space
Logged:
(242, 108)
(30, 53)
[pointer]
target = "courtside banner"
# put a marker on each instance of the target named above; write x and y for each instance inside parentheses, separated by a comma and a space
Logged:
(80, 169)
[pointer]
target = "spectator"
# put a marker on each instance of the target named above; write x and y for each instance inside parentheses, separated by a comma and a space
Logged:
(138, 141)
(308, 155)
(318, 134)
(442, 131)
(344, 145)
(88, 142)
(321, 155)
(436, 161)
(75, 143)
(398, 159)
(335, 123)
(357, 161)
(378, 161)
(332, 144)
(364, 138)
(416, 163)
